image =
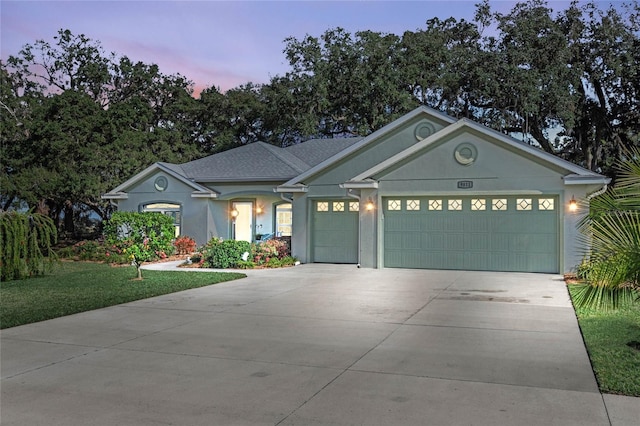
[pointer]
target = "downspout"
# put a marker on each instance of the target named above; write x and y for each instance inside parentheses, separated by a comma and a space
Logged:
(598, 192)
(284, 198)
(357, 197)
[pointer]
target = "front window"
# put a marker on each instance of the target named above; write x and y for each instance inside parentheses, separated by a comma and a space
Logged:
(169, 209)
(283, 220)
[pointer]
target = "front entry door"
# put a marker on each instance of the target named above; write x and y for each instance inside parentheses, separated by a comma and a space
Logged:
(243, 223)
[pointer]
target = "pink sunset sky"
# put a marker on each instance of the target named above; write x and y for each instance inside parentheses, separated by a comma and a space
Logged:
(217, 43)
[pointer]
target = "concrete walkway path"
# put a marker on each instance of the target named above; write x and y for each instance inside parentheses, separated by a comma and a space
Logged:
(316, 345)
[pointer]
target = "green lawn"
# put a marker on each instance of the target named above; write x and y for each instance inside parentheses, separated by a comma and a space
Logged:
(606, 335)
(80, 286)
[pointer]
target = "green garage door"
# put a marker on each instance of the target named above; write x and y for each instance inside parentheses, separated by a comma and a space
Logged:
(335, 231)
(487, 233)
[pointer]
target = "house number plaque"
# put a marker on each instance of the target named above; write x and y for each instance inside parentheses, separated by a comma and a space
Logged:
(465, 184)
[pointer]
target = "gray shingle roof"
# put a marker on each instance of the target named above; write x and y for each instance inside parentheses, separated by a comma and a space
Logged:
(260, 161)
(315, 151)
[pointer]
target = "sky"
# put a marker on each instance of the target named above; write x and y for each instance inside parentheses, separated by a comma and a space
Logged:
(217, 43)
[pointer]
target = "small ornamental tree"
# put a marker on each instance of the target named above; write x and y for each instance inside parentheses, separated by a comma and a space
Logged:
(142, 236)
(25, 245)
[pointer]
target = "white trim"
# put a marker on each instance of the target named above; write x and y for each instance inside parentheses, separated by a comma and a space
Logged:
(115, 196)
(585, 180)
(364, 184)
(200, 194)
(291, 188)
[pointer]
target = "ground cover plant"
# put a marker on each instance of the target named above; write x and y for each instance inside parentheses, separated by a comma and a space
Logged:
(84, 286)
(612, 338)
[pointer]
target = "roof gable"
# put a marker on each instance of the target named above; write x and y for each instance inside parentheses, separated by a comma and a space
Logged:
(507, 142)
(323, 166)
(172, 170)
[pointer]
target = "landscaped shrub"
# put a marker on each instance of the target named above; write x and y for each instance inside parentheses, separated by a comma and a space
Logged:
(142, 236)
(264, 252)
(185, 245)
(218, 253)
(25, 245)
(94, 250)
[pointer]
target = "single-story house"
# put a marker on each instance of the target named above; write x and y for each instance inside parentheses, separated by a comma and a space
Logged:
(425, 191)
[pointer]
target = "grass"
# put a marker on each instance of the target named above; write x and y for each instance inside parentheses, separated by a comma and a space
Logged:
(80, 286)
(607, 335)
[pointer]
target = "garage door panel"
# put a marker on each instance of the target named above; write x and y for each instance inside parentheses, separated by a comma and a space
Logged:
(483, 235)
(334, 232)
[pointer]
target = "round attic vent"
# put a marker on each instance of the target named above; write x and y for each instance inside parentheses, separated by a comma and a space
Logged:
(424, 130)
(465, 154)
(161, 183)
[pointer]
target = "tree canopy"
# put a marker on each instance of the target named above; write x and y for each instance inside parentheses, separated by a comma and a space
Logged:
(77, 121)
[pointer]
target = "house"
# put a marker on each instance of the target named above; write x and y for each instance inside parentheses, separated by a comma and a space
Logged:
(425, 191)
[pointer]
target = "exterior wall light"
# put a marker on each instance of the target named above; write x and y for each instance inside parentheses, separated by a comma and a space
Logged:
(258, 210)
(573, 204)
(369, 206)
(234, 213)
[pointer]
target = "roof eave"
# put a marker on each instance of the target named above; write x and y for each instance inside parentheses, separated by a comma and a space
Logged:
(204, 194)
(362, 184)
(576, 179)
(291, 188)
(115, 196)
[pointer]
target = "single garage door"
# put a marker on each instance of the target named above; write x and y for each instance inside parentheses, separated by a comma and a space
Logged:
(335, 231)
(488, 233)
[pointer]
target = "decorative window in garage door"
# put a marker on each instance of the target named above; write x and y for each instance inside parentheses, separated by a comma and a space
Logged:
(354, 206)
(338, 206)
(413, 205)
(478, 204)
(545, 204)
(499, 204)
(523, 204)
(322, 206)
(456, 204)
(394, 205)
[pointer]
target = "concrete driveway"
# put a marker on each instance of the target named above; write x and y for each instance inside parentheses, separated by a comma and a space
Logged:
(315, 345)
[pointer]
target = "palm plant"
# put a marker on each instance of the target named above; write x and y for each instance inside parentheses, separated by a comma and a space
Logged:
(611, 270)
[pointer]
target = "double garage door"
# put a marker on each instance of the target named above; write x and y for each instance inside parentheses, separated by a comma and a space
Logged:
(492, 233)
(486, 233)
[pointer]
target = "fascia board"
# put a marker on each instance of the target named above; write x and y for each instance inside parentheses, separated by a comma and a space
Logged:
(291, 188)
(201, 194)
(115, 196)
(586, 180)
(364, 184)
(367, 140)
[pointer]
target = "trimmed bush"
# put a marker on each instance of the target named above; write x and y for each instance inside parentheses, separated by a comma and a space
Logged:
(185, 245)
(218, 253)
